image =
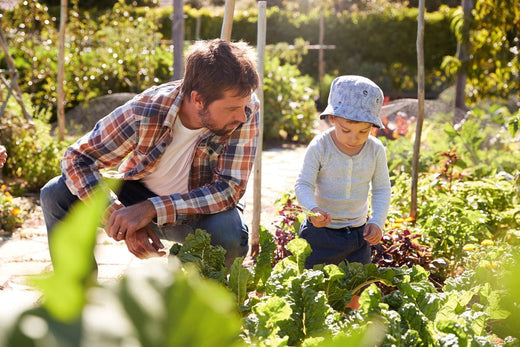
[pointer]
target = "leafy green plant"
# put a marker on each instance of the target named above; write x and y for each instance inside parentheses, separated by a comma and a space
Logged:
(34, 155)
(287, 224)
(156, 306)
(290, 113)
(11, 214)
(117, 52)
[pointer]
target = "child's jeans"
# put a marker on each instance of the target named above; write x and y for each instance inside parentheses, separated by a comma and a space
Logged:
(332, 246)
(227, 228)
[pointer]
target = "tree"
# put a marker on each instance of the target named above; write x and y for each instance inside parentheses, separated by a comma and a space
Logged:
(463, 48)
(493, 65)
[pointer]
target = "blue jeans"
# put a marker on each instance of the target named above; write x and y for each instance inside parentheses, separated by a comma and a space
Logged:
(227, 229)
(332, 246)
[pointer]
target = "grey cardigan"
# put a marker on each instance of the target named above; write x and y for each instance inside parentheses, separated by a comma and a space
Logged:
(340, 184)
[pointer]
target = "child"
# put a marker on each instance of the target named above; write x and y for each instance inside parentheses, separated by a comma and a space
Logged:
(340, 167)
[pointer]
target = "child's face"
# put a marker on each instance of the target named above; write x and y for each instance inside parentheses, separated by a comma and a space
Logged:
(350, 136)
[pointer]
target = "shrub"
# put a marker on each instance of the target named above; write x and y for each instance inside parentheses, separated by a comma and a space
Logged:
(289, 99)
(117, 52)
(34, 155)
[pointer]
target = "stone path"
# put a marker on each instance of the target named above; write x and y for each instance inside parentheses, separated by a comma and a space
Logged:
(26, 254)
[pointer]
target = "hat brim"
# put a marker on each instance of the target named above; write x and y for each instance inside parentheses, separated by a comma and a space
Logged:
(354, 114)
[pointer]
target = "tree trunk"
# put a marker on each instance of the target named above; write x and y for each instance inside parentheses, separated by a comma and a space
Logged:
(178, 39)
(459, 107)
(420, 111)
(61, 70)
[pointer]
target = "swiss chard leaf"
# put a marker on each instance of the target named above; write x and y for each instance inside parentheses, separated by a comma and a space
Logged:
(197, 249)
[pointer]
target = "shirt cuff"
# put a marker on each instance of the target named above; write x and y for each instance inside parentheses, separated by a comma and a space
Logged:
(160, 208)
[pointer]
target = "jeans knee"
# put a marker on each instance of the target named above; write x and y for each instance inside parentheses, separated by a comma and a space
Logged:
(46, 194)
(227, 229)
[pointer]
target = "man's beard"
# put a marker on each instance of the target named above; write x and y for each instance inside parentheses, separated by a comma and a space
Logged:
(204, 118)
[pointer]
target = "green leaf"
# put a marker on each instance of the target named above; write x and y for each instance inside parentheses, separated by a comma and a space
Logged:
(300, 250)
(238, 280)
(449, 130)
(179, 308)
(369, 299)
(512, 125)
(72, 245)
(197, 249)
(265, 259)
(270, 314)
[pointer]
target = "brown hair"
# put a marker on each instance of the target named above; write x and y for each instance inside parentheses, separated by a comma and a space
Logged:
(216, 66)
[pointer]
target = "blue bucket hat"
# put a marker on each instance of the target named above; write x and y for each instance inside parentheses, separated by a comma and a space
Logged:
(355, 98)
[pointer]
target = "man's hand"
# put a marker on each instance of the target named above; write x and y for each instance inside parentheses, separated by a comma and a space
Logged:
(144, 243)
(124, 220)
(372, 234)
(321, 219)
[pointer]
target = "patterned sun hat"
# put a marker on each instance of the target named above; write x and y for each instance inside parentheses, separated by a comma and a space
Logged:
(355, 98)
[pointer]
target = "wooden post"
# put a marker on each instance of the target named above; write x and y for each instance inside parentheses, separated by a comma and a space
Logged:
(227, 23)
(178, 39)
(197, 27)
(321, 60)
(257, 184)
(420, 106)
(61, 70)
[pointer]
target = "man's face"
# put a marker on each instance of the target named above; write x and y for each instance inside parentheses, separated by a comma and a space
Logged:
(224, 115)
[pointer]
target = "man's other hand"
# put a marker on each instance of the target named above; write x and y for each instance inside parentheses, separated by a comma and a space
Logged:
(144, 243)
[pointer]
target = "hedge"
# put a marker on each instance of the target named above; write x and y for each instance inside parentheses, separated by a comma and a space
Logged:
(381, 46)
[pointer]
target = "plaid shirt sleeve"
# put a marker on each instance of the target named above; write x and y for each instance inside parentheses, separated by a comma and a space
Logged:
(105, 146)
(227, 181)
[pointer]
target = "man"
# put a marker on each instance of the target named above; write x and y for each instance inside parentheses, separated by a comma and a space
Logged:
(185, 150)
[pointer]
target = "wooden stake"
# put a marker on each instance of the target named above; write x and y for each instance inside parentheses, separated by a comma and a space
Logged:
(420, 110)
(257, 193)
(227, 23)
(61, 70)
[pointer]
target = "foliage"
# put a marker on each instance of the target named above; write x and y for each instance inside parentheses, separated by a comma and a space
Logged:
(493, 63)
(292, 305)
(98, 64)
(34, 155)
(289, 111)
(159, 306)
(33, 40)
(287, 225)
(116, 52)
(487, 278)
(197, 249)
(360, 54)
(400, 247)
(11, 214)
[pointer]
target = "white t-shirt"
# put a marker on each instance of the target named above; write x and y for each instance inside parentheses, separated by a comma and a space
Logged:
(171, 173)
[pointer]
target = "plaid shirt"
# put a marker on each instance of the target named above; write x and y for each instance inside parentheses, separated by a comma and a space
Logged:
(135, 135)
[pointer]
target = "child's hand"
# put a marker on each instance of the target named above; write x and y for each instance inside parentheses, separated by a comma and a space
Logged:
(372, 233)
(320, 218)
